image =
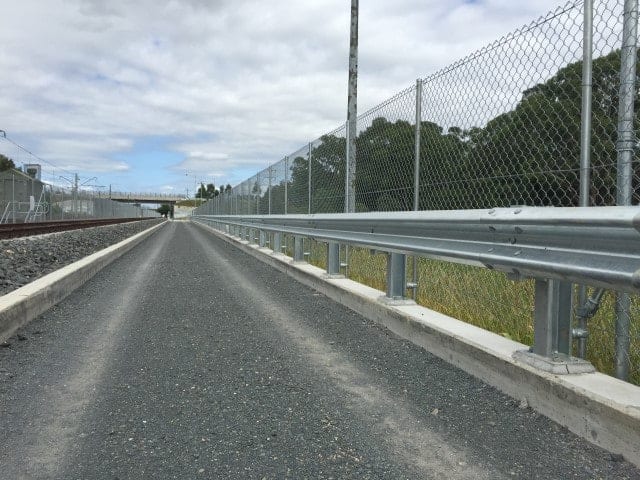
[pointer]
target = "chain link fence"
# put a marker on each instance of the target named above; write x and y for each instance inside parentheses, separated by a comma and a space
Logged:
(26, 198)
(498, 128)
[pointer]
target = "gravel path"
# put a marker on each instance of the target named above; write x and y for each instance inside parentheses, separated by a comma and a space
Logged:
(186, 358)
(22, 260)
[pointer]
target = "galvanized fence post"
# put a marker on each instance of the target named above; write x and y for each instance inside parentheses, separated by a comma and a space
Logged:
(248, 200)
(286, 183)
(258, 189)
(416, 179)
(625, 151)
(13, 198)
(348, 206)
(269, 189)
(581, 331)
(309, 180)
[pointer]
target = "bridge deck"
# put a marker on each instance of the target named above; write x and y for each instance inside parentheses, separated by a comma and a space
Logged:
(145, 197)
(187, 359)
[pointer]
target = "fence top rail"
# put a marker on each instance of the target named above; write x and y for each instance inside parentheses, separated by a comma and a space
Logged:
(598, 246)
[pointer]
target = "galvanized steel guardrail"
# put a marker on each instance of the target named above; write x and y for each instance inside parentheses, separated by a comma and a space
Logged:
(596, 246)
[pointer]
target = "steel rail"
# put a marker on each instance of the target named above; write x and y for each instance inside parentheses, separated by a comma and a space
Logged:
(598, 246)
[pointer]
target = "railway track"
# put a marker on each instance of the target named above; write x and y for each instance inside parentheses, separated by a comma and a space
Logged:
(14, 230)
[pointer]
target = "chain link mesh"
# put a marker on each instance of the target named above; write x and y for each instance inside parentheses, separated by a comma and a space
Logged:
(500, 127)
(503, 125)
(328, 166)
(385, 149)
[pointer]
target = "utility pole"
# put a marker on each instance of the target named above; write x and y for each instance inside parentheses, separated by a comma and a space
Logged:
(352, 111)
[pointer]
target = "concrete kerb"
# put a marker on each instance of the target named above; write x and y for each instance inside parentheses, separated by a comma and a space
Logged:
(19, 307)
(598, 408)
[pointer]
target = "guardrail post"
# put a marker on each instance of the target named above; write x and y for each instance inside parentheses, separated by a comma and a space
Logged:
(298, 254)
(262, 238)
(396, 276)
(333, 258)
(552, 318)
(277, 243)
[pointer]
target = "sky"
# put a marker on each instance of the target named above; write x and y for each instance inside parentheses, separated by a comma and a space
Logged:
(157, 96)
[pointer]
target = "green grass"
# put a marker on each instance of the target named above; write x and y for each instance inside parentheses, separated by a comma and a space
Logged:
(489, 300)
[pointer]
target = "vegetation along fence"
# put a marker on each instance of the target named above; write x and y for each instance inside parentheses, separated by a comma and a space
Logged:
(544, 117)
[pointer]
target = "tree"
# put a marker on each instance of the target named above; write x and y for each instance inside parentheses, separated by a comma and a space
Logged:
(384, 165)
(531, 155)
(164, 209)
(299, 186)
(206, 192)
(6, 163)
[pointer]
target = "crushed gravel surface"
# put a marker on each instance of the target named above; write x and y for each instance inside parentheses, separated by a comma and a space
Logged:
(23, 260)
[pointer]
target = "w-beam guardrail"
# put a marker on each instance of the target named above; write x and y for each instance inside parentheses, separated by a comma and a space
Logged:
(596, 246)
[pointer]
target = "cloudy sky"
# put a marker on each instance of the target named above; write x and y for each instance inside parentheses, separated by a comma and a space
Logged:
(152, 95)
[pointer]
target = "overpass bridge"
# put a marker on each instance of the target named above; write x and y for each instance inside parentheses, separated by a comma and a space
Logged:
(146, 197)
(186, 357)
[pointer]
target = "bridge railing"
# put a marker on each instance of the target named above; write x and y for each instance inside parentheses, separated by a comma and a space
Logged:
(145, 196)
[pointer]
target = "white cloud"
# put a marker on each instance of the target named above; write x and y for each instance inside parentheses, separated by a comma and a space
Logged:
(84, 80)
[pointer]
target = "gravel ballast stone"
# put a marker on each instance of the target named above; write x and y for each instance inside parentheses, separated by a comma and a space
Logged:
(23, 260)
